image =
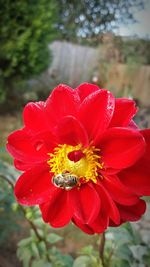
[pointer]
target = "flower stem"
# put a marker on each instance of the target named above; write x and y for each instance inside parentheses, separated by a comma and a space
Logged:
(101, 249)
(7, 180)
(34, 228)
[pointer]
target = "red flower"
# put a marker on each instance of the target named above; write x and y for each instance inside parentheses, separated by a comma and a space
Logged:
(84, 159)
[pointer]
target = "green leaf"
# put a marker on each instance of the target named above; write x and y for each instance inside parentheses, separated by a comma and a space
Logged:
(24, 255)
(53, 238)
(120, 263)
(88, 250)
(66, 261)
(124, 253)
(121, 236)
(25, 242)
(82, 261)
(38, 222)
(146, 259)
(35, 250)
(40, 263)
(42, 246)
(136, 238)
(60, 260)
(139, 251)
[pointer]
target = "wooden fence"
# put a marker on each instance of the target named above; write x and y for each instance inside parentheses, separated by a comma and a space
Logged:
(74, 64)
(132, 80)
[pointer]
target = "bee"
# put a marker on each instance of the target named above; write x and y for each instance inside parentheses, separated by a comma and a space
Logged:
(65, 180)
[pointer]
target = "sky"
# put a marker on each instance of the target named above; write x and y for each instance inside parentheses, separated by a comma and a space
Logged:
(141, 27)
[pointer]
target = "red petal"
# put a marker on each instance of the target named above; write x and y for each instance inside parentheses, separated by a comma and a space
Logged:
(71, 131)
(146, 134)
(59, 210)
(133, 125)
(107, 203)
(137, 177)
(86, 203)
(63, 101)
(34, 186)
(121, 147)
(96, 111)
(124, 111)
(35, 117)
(85, 89)
(109, 171)
(30, 149)
(119, 193)
(101, 222)
(132, 213)
(22, 166)
(99, 225)
(84, 227)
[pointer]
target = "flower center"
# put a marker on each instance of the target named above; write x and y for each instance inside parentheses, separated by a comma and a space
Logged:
(76, 160)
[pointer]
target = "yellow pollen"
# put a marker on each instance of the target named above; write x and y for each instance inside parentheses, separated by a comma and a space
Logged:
(86, 168)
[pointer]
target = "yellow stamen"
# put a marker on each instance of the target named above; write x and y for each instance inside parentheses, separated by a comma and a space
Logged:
(87, 167)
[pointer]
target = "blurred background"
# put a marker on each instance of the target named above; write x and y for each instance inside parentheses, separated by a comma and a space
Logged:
(47, 42)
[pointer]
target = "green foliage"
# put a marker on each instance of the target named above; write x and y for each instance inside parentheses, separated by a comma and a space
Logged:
(89, 257)
(4, 155)
(124, 247)
(6, 213)
(82, 261)
(60, 260)
(39, 248)
(8, 222)
(26, 28)
(41, 263)
(9, 172)
(136, 50)
(133, 50)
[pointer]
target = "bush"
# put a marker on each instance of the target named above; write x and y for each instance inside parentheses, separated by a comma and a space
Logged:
(26, 28)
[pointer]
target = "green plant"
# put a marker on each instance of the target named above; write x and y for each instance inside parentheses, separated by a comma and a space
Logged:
(7, 178)
(124, 247)
(39, 248)
(26, 28)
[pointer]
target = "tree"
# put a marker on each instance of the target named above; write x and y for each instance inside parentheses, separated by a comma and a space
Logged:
(26, 28)
(88, 18)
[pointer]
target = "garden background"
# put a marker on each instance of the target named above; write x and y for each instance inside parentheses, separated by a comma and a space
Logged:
(44, 43)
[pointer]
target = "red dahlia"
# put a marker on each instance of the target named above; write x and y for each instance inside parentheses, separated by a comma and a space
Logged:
(83, 159)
